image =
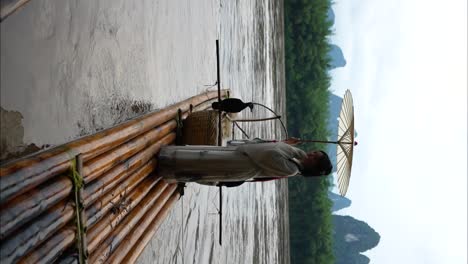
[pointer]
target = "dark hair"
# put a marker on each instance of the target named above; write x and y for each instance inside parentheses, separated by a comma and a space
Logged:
(324, 167)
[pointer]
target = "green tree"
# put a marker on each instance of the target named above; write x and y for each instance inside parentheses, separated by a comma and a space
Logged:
(307, 89)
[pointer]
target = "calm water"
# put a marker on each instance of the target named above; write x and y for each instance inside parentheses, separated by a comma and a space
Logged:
(70, 68)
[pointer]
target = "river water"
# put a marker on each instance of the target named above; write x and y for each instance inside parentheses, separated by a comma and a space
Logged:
(70, 68)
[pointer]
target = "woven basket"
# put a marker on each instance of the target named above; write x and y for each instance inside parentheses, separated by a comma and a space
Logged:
(201, 128)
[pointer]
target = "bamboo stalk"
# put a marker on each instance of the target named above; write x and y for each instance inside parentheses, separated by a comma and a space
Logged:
(113, 240)
(22, 175)
(68, 256)
(29, 205)
(69, 259)
(52, 248)
(103, 184)
(106, 202)
(143, 232)
(105, 226)
(8, 7)
(29, 236)
(97, 166)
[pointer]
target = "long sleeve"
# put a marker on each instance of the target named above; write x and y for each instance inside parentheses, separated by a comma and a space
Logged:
(274, 159)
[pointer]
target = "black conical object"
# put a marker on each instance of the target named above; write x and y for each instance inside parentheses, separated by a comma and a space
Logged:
(231, 105)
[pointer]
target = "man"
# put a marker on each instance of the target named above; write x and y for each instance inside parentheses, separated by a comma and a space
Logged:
(240, 161)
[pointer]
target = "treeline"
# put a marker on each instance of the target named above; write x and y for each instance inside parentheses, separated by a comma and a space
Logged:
(307, 87)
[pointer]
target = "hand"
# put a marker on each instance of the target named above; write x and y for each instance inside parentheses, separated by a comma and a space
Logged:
(292, 141)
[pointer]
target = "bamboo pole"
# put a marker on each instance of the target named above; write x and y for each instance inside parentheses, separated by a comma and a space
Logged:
(103, 184)
(142, 194)
(52, 248)
(97, 166)
(29, 236)
(106, 202)
(119, 233)
(69, 259)
(29, 205)
(8, 7)
(22, 175)
(143, 232)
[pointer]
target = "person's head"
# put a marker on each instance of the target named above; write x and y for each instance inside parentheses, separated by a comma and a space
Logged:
(317, 163)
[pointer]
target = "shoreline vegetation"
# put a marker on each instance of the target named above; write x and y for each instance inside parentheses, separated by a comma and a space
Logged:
(307, 28)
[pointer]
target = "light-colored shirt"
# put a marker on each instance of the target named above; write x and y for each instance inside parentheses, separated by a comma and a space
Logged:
(205, 164)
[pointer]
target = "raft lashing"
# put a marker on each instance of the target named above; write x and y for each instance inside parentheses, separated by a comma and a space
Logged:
(93, 200)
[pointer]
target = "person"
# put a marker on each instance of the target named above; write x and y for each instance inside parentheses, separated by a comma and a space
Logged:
(240, 161)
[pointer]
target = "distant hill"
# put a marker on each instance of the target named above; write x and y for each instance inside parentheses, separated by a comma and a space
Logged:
(339, 202)
(352, 237)
(336, 56)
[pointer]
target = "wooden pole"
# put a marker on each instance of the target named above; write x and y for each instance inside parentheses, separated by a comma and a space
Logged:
(220, 139)
(220, 213)
(220, 134)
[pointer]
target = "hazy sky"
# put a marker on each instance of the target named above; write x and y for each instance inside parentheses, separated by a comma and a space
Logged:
(407, 71)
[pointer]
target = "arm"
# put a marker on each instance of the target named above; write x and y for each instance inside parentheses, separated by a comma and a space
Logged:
(292, 141)
(267, 179)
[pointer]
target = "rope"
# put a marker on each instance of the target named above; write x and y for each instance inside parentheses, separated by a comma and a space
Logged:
(78, 183)
(243, 132)
(76, 177)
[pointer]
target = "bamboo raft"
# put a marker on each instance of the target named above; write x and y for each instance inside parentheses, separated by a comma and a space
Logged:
(95, 199)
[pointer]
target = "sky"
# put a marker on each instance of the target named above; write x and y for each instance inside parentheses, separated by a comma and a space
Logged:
(407, 71)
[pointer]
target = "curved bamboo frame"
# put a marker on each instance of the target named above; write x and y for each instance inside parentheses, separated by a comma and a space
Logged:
(345, 144)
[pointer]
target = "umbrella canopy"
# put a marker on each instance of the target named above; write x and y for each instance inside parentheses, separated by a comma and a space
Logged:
(345, 143)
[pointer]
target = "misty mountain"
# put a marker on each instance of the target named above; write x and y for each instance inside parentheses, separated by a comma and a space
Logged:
(336, 56)
(352, 237)
(339, 202)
